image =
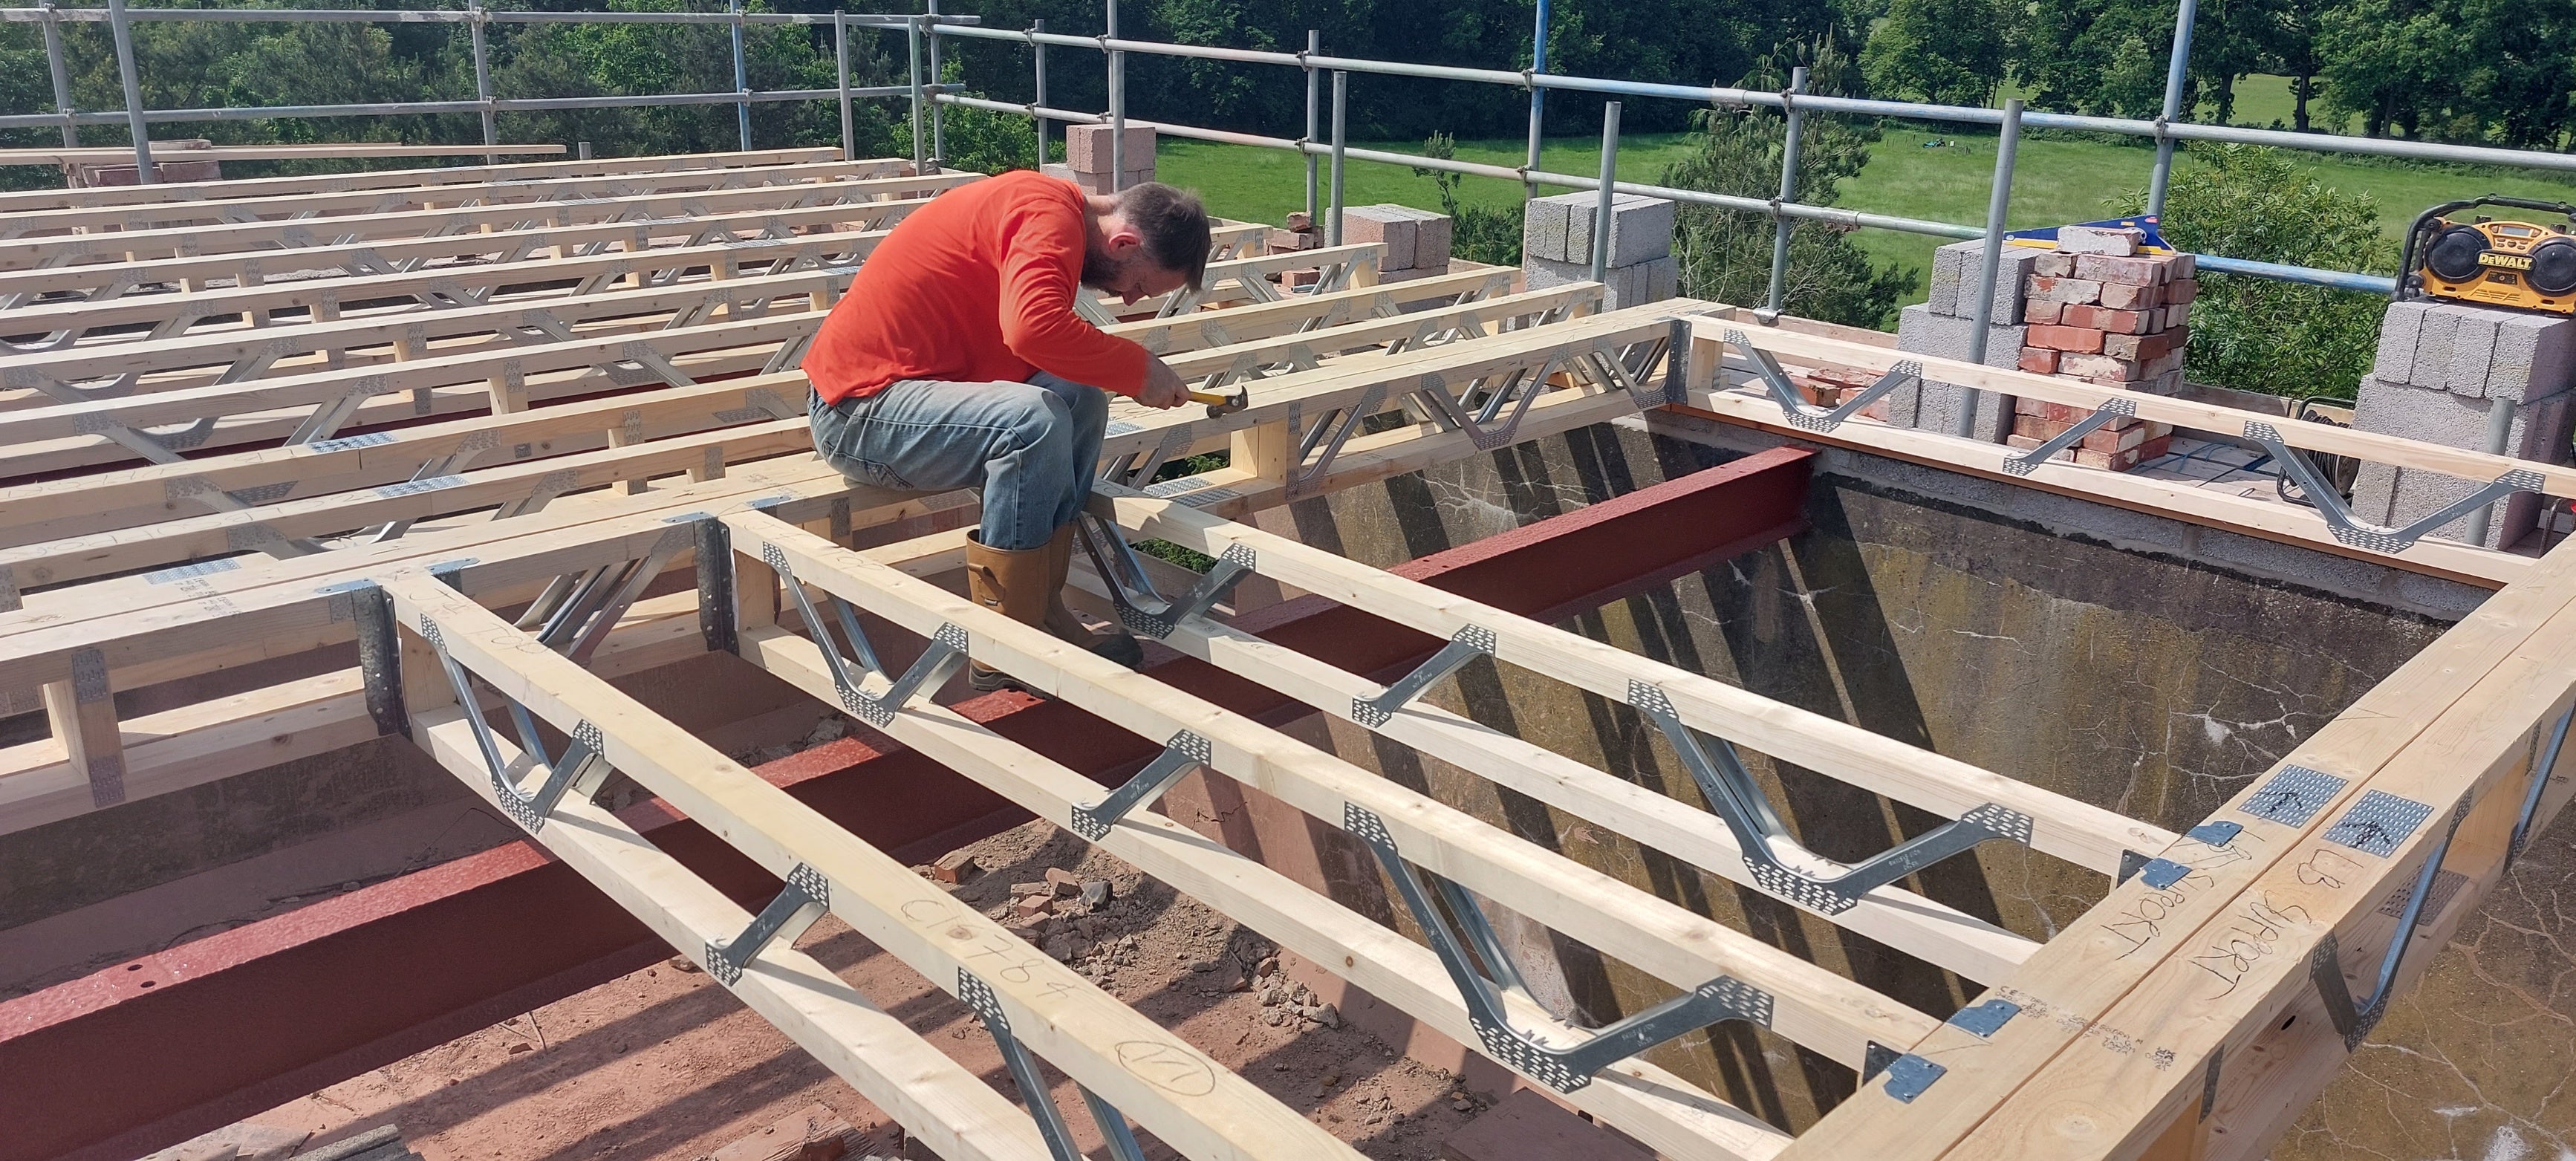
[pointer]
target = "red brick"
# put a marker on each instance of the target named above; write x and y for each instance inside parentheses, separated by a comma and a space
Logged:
(2169, 361)
(2122, 296)
(2182, 290)
(2099, 368)
(2066, 338)
(2103, 318)
(2041, 311)
(2038, 360)
(2054, 265)
(2178, 314)
(2066, 289)
(2182, 266)
(2142, 348)
(2139, 271)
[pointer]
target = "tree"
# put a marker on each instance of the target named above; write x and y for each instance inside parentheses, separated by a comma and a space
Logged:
(1476, 233)
(1726, 255)
(2101, 57)
(2244, 201)
(1948, 52)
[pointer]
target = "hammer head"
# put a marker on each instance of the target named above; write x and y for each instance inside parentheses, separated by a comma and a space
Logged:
(1219, 406)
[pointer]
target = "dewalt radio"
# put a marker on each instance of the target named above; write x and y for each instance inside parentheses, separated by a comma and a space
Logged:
(2516, 265)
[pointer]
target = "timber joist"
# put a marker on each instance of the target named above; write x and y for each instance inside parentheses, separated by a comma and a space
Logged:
(2325, 524)
(291, 234)
(386, 454)
(308, 207)
(29, 201)
(150, 279)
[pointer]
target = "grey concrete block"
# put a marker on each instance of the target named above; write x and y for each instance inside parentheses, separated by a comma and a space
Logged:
(2535, 357)
(1544, 222)
(1920, 330)
(1641, 228)
(2401, 327)
(1623, 286)
(2432, 361)
(2473, 342)
(1965, 262)
(2396, 497)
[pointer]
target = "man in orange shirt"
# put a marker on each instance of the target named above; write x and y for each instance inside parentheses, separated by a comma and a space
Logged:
(956, 361)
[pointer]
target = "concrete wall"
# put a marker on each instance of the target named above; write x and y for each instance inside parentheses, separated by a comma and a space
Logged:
(2133, 662)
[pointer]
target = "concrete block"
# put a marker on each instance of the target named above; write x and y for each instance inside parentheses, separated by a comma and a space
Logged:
(1390, 225)
(1956, 295)
(2401, 327)
(1623, 286)
(2473, 341)
(1544, 222)
(2399, 496)
(1920, 330)
(2535, 357)
(1086, 147)
(1431, 241)
(1641, 229)
(2432, 362)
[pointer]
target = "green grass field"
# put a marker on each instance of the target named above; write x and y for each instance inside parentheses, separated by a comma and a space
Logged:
(2055, 181)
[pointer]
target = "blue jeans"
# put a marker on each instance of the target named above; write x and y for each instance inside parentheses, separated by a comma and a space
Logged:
(1032, 447)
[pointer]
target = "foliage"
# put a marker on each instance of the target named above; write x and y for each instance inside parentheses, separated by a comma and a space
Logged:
(2103, 57)
(986, 141)
(1949, 52)
(1478, 233)
(1726, 255)
(2257, 335)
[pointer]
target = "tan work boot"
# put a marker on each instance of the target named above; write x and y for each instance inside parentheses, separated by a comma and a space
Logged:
(1014, 582)
(1117, 645)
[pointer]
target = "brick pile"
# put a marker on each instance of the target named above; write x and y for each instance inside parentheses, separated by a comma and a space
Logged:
(2099, 311)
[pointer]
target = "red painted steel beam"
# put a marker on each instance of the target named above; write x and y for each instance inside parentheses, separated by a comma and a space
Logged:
(152, 1052)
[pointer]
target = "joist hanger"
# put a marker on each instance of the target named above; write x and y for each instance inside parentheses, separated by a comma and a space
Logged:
(1734, 796)
(987, 1006)
(1565, 1068)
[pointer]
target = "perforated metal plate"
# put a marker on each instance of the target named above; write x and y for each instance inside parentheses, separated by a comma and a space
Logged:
(2377, 823)
(2294, 796)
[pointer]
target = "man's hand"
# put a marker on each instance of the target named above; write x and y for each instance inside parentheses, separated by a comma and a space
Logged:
(1163, 386)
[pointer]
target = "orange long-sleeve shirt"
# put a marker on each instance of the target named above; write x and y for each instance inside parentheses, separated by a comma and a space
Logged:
(977, 286)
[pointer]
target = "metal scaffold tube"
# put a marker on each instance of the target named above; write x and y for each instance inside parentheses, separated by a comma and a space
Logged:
(2177, 70)
(1341, 101)
(144, 171)
(1789, 150)
(1117, 108)
(938, 75)
(1314, 47)
(54, 63)
(1604, 209)
(841, 68)
(483, 72)
(1963, 418)
(741, 76)
(1538, 98)
(1037, 58)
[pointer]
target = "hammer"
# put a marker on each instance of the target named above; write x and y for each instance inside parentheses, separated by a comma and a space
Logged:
(1219, 406)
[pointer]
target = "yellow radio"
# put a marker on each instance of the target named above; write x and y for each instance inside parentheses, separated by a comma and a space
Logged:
(2515, 265)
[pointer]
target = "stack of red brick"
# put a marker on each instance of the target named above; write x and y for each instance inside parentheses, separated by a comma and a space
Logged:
(1831, 386)
(2111, 316)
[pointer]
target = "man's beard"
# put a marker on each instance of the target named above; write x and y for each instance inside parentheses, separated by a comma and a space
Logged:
(1100, 271)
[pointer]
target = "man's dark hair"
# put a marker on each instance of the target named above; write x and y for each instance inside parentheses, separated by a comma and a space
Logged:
(1174, 226)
